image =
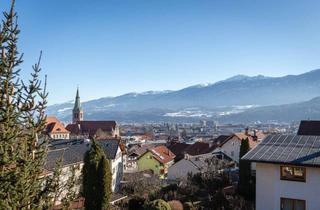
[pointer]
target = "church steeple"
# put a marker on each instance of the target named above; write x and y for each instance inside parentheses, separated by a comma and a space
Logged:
(77, 112)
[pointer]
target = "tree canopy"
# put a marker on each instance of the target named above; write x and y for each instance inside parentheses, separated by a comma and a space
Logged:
(245, 182)
(24, 183)
(97, 179)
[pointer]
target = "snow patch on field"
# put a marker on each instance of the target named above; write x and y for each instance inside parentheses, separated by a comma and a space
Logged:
(64, 109)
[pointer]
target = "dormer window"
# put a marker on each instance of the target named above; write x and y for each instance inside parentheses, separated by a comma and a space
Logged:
(293, 173)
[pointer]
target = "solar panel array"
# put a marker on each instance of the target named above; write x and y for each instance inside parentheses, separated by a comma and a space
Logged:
(294, 149)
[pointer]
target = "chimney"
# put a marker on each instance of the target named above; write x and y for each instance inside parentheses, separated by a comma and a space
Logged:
(246, 131)
(255, 137)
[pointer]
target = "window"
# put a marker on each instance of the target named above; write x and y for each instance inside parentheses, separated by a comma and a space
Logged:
(293, 173)
(232, 153)
(292, 204)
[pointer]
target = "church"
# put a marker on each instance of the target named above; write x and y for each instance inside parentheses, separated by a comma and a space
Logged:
(80, 128)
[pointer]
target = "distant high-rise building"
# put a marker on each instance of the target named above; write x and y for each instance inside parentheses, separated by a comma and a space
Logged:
(77, 112)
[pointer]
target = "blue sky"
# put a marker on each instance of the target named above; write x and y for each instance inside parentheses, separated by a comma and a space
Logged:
(111, 47)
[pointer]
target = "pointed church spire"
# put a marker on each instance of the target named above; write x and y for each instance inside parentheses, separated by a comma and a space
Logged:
(77, 105)
(77, 113)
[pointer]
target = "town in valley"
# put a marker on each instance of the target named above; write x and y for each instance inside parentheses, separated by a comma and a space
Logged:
(159, 105)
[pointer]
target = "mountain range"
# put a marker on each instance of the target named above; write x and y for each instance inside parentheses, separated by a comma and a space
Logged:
(238, 99)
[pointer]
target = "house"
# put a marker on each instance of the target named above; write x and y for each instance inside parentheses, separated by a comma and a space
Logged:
(90, 129)
(72, 152)
(72, 156)
(157, 159)
(231, 145)
(182, 149)
(113, 152)
(288, 170)
(133, 154)
(221, 139)
(185, 166)
(55, 129)
(198, 148)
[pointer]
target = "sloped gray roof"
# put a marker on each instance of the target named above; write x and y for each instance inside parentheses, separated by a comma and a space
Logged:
(73, 151)
(110, 147)
(69, 155)
(192, 165)
(140, 149)
(289, 149)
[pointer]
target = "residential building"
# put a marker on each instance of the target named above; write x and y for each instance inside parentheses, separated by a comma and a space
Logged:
(133, 154)
(191, 165)
(231, 145)
(113, 152)
(55, 129)
(157, 159)
(182, 149)
(287, 171)
(198, 148)
(72, 156)
(72, 152)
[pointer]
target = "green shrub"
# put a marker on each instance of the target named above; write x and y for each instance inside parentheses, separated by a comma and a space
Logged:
(158, 204)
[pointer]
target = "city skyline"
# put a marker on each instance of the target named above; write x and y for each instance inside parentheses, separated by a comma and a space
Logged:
(109, 48)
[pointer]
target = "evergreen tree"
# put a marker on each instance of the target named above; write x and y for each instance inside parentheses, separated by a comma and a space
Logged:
(244, 171)
(22, 120)
(105, 177)
(96, 179)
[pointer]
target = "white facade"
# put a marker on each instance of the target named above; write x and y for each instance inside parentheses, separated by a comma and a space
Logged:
(270, 188)
(131, 164)
(65, 176)
(116, 166)
(116, 131)
(116, 170)
(231, 148)
(59, 135)
(181, 169)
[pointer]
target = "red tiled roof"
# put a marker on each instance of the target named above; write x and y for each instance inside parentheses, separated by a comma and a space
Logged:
(162, 154)
(53, 125)
(73, 128)
(252, 142)
(91, 127)
(178, 148)
(197, 148)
